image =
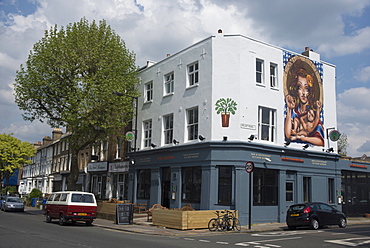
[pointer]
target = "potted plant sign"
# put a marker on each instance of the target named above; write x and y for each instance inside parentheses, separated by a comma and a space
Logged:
(225, 107)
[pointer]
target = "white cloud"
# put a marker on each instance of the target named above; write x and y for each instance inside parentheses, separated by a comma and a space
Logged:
(30, 132)
(353, 108)
(153, 29)
(356, 43)
(363, 75)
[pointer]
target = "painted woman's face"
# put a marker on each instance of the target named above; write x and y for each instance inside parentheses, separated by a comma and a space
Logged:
(303, 90)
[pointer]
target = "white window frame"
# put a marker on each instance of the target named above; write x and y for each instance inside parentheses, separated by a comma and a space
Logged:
(259, 71)
(169, 80)
(269, 124)
(168, 129)
(193, 74)
(148, 91)
(192, 119)
(147, 133)
(273, 75)
(119, 147)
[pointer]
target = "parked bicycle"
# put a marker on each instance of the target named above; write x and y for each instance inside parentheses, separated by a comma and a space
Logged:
(225, 221)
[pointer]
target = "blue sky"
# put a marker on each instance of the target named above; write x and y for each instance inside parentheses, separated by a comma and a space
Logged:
(337, 29)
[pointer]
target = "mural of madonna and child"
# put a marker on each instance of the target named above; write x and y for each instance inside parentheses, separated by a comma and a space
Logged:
(303, 102)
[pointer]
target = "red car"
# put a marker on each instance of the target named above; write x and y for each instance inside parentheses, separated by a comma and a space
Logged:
(71, 206)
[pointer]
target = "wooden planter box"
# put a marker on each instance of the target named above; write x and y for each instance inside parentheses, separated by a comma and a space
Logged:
(182, 220)
(107, 210)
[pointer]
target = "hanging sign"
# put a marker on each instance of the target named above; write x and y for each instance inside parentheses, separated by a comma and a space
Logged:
(334, 135)
(130, 136)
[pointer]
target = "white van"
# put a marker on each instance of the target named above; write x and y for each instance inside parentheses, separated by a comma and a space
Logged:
(71, 206)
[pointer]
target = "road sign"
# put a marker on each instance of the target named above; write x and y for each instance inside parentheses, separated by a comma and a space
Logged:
(249, 167)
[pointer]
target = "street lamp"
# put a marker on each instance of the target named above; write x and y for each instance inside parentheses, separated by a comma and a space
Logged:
(136, 107)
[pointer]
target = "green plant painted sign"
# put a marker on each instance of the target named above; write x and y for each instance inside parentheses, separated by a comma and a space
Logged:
(227, 105)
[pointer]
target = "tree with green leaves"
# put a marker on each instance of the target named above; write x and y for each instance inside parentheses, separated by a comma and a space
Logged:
(68, 81)
(343, 144)
(13, 154)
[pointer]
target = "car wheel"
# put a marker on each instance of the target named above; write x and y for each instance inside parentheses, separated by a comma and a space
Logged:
(314, 224)
(62, 220)
(48, 218)
(342, 222)
(88, 223)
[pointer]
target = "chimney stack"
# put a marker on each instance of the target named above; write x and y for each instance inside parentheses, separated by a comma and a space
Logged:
(46, 141)
(57, 134)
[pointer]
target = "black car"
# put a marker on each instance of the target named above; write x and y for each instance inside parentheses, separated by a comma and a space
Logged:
(314, 215)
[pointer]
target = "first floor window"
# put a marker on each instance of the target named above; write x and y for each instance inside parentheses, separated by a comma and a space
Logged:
(192, 126)
(266, 124)
(191, 184)
(265, 187)
(168, 83)
(273, 75)
(143, 184)
(259, 71)
(193, 74)
(224, 185)
(168, 128)
(148, 92)
(119, 147)
(147, 133)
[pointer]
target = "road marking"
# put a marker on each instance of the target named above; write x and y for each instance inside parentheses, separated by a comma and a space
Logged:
(203, 240)
(351, 241)
(265, 241)
(341, 233)
(284, 233)
(189, 239)
(222, 243)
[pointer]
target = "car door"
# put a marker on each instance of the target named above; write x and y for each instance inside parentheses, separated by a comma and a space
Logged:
(329, 214)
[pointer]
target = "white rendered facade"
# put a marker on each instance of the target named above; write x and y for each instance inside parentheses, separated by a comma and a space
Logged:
(227, 68)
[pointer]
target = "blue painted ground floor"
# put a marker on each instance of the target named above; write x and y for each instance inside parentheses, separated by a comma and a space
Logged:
(214, 175)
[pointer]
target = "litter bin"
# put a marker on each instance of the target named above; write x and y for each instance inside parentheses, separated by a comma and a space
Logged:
(34, 202)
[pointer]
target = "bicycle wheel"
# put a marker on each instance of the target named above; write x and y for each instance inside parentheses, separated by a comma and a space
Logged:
(226, 225)
(213, 225)
(236, 224)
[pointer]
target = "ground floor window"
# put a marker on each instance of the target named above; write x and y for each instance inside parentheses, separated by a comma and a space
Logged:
(265, 187)
(191, 184)
(120, 186)
(98, 185)
(224, 185)
(143, 184)
(355, 192)
(331, 190)
(307, 189)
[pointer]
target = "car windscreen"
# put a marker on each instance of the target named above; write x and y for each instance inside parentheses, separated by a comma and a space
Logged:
(82, 198)
(14, 200)
(297, 208)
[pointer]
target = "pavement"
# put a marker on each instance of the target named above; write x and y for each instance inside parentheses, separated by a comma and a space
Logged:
(142, 226)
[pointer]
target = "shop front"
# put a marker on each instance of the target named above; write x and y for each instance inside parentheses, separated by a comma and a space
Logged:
(118, 180)
(98, 178)
(355, 187)
(212, 175)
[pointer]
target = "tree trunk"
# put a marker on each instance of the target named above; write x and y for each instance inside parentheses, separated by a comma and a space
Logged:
(74, 172)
